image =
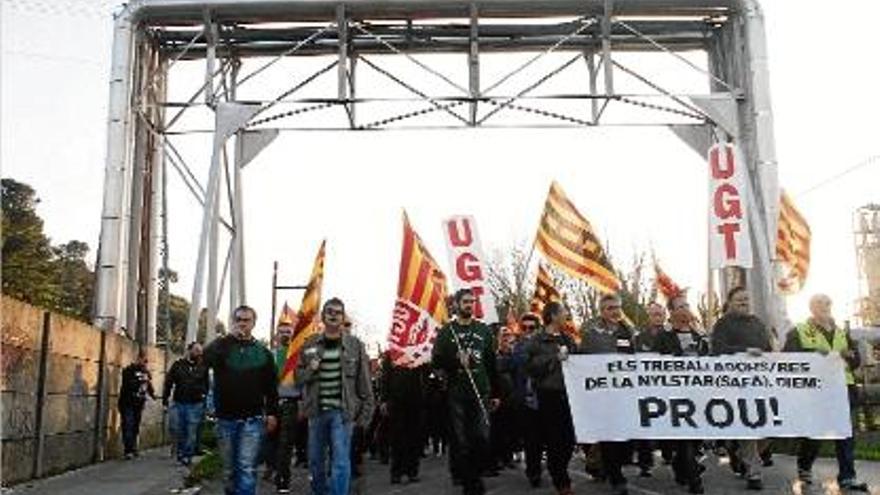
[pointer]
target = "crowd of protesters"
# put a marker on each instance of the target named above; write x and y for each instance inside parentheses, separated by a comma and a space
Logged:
(490, 399)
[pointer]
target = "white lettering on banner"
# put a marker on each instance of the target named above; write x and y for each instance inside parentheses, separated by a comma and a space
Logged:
(649, 396)
(730, 244)
(468, 264)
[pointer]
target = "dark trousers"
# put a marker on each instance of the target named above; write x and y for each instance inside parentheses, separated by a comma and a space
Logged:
(131, 427)
(645, 453)
(533, 440)
(285, 440)
(614, 457)
(555, 416)
(407, 439)
(684, 460)
(301, 441)
(808, 450)
(471, 441)
(505, 435)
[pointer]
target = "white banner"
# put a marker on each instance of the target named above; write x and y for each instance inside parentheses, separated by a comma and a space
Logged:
(729, 241)
(649, 396)
(468, 264)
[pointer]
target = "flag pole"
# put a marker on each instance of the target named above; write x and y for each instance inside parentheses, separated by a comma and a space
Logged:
(274, 303)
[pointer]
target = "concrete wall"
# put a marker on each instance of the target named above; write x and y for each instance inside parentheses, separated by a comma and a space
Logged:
(59, 393)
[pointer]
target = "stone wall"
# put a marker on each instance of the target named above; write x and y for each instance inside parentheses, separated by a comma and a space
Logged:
(60, 382)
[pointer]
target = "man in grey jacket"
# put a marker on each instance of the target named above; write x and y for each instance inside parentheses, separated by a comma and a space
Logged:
(334, 371)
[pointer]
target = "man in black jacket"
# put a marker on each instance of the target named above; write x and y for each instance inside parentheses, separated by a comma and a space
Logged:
(645, 341)
(465, 351)
(136, 387)
(545, 353)
(736, 332)
(188, 378)
(683, 340)
(611, 336)
(403, 402)
(246, 399)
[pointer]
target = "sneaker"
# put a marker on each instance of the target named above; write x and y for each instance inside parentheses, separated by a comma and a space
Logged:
(853, 485)
(805, 476)
(755, 484)
(128, 456)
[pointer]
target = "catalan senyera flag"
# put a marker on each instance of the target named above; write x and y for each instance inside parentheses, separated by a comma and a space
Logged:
(420, 308)
(287, 318)
(666, 287)
(545, 292)
(306, 319)
(792, 246)
(567, 240)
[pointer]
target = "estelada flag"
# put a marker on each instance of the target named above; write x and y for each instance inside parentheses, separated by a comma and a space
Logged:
(306, 319)
(546, 292)
(420, 308)
(567, 240)
(792, 246)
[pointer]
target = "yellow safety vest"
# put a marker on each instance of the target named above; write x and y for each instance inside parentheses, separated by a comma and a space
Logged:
(813, 339)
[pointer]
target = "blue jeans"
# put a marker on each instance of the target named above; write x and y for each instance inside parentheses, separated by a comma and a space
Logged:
(330, 430)
(189, 417)
(239, 441)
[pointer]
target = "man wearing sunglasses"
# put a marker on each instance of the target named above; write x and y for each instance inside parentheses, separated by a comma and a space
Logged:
(334, 371)
(246, 399)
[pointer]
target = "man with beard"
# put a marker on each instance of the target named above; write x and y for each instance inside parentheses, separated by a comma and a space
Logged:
(465, 352)
(611, 336)
(545, 353)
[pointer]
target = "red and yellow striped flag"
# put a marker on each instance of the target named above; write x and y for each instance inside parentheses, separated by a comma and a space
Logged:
(792, 246)
(287, 318)
(546, 292)
(421, 303)
(306, 319)
(666, 287)
(567, 240)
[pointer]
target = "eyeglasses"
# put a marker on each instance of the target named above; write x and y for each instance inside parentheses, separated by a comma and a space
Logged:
(333, 312)
(528, 327)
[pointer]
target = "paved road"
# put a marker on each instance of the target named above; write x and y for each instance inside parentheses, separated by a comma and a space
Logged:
(719, 480)
(155, 474)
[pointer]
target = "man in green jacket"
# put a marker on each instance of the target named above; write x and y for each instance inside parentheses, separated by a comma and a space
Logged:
(465, 352)
(820, 334)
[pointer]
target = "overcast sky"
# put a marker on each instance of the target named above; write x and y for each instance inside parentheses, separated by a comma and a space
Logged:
(640, 187)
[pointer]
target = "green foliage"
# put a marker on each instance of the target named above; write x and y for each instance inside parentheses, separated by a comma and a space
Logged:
(29, 272)
(75, 280)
